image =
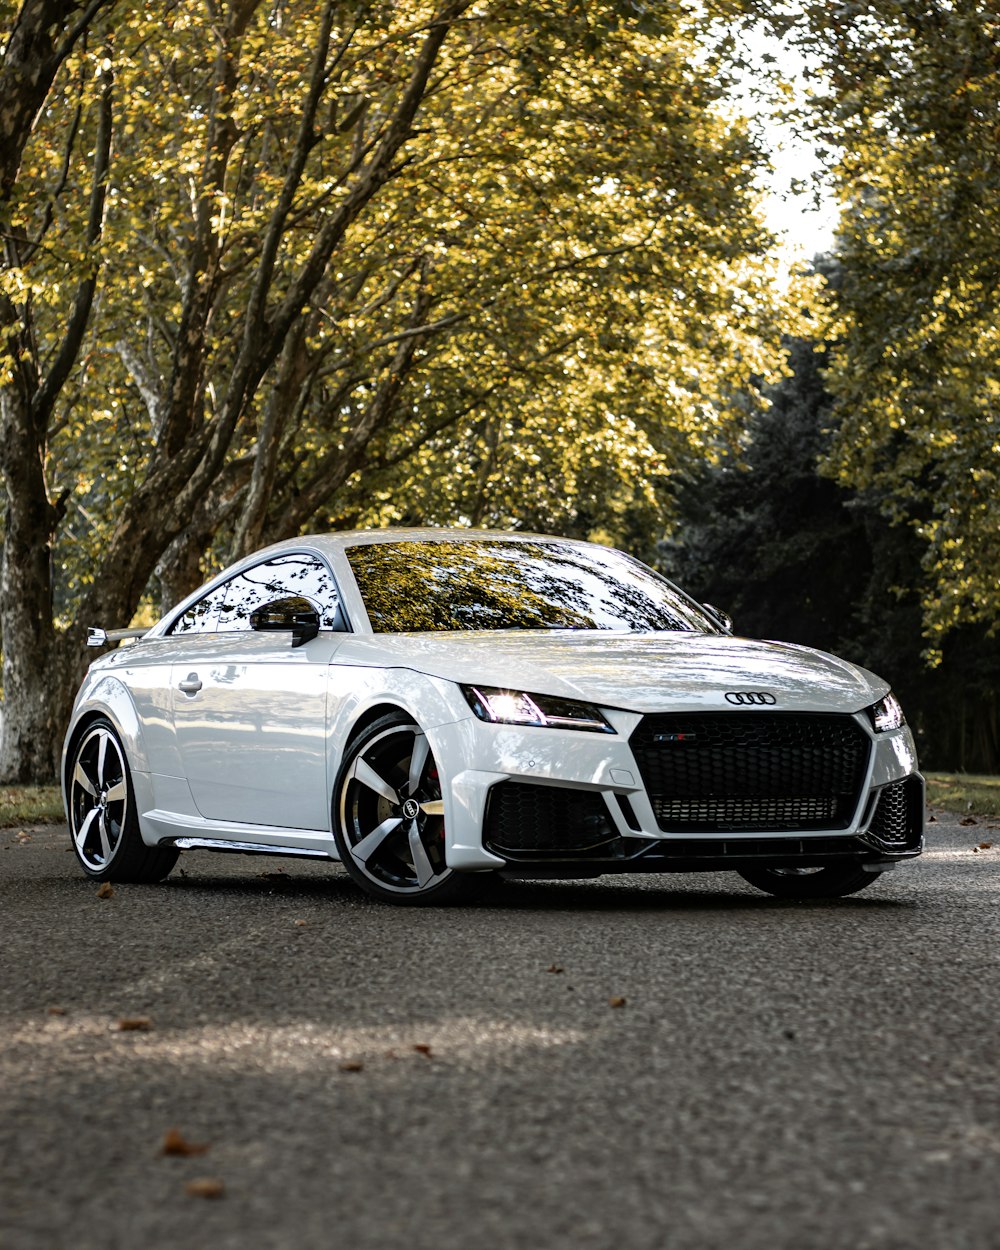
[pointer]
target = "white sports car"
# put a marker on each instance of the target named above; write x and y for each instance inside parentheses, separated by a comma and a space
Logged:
(431, 707)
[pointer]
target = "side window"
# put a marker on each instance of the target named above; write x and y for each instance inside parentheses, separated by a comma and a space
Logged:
(201, 617)
(282, 577)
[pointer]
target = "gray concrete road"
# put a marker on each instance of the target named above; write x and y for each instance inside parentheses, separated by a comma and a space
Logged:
(780, 1074)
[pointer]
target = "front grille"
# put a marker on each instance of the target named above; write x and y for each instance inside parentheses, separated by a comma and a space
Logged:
(728, 772)
(550, 820)
(898, 818)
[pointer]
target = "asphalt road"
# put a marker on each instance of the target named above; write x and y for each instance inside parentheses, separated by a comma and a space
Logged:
(779, 1075)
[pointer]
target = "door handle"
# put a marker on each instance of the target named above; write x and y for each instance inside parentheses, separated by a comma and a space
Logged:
(191, 684)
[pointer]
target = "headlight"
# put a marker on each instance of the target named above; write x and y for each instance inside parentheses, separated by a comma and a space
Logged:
(887, 714)
(514, 707)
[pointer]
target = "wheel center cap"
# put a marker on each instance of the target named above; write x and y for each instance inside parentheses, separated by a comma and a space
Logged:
(411, 809)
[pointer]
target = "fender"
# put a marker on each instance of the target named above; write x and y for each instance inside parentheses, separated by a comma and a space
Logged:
(355, 691)
(108, 697)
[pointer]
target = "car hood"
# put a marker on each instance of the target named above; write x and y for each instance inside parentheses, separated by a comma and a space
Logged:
(640, 672)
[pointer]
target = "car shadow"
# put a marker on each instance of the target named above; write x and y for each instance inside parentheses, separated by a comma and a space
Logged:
(611, 895)
(604, 894)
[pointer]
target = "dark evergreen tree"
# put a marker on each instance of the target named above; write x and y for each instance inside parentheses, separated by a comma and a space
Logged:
(793, 556)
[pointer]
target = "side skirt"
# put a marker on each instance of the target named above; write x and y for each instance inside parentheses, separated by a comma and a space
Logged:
(160, 828)
(244, 848)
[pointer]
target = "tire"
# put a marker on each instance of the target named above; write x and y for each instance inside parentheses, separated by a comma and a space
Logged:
(833, 882)
(388, 818)
(102, 815)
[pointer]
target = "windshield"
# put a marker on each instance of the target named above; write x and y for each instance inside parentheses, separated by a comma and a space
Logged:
(515, 584)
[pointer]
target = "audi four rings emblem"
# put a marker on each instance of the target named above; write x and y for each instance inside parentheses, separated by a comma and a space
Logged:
(746, 698)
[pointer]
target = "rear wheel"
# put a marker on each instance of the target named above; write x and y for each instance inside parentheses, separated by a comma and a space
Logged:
(102, 815)
(388, 817)
(832, 882)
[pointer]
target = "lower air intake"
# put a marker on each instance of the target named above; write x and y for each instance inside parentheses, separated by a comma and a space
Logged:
(899, 812)
(544, 820)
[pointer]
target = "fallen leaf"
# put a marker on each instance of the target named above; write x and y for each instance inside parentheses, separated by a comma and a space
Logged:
(422, 1049)
(299, 924)
(56, 1011)
(968, 820)
(205, 1187)
(135, 1024)
(352, 1065)
(985, 846)
(616, 1001)
(106, 890)
(554, 968)
(932, 820)
(175, 1144)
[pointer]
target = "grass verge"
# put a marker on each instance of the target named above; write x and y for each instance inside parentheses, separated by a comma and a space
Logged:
(964, 792)
(30, 805)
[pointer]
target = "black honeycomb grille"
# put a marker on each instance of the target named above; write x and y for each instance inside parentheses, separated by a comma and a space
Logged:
(780, 771)
(898, 815)
(544, 819)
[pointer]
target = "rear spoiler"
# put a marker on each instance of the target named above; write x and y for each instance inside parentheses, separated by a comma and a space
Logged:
(101, 637)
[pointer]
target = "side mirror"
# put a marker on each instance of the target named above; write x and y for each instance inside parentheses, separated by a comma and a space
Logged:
(292, 614)
(721, 618)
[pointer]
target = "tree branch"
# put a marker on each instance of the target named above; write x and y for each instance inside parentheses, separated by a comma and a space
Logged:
(339, 463)
(261, 345)
(44, 399)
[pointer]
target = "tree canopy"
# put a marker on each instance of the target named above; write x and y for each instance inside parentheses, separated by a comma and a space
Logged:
(273, 266)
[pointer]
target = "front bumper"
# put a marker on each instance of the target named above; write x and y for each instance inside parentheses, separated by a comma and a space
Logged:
(541, 802)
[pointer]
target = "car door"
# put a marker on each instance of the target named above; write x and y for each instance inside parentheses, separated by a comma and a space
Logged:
(250, 706)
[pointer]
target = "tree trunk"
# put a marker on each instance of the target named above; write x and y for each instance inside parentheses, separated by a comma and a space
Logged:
(39, 690)
(31, 727)
(179, 571)
(39, 675)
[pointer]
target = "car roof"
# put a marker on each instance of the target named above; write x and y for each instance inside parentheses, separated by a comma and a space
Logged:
(341, 539)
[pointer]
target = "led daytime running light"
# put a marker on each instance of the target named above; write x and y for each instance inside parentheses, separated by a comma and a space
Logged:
(516, 707)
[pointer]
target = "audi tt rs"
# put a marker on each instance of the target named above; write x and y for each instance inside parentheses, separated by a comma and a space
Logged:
(435, 707)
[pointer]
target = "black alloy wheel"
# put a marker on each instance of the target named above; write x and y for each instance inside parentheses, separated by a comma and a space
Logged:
(102, 814)
(388, 817)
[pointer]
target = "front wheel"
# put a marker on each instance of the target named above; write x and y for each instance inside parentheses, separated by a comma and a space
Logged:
(832, 882)
(102, 815)
(388, 817)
